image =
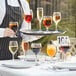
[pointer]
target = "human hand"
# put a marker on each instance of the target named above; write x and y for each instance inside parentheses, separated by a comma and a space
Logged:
(8, 32)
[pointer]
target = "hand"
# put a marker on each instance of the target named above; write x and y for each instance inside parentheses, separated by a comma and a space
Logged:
(8, 32)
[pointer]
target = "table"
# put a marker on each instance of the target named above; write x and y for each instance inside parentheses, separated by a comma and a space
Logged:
(34, 71)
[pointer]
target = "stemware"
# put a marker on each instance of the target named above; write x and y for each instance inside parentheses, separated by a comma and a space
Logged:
(40, 16)
(24, 47)
(14, 27)
(36, 47)
(13, 47)
(56, 18)
(47, 21)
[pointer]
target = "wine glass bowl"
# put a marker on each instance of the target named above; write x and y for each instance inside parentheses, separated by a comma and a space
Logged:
(57, 18)
(51, 50)
(36, 47)
(47, 21)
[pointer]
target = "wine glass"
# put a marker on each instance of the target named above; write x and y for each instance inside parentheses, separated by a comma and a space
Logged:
(56, 18)
(24, 47)
(13, 47)
(51, 50)
(47, 21)
(40, 16)
(13, 26)
(36, 47)
(28, 17)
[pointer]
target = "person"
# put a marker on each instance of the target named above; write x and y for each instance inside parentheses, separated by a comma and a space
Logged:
(12, 10)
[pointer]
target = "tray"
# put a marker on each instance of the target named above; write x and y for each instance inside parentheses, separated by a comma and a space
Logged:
(33, 32)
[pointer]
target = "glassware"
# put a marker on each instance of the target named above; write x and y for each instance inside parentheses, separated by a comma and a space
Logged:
(47, 21)
(65, 48)
(13, 26)
(40, 16)
(51, 50)
(24, 47)
(36, 47)
(57, 18)
(28, 17)
(13, 47)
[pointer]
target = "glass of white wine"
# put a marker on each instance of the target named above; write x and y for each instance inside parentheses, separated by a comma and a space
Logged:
(40, 16)
(13, 47)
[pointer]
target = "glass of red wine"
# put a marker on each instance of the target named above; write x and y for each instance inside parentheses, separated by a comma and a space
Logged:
(13, 26)
(36, 48)
(28, 17)
(47, 21)
(65, 49)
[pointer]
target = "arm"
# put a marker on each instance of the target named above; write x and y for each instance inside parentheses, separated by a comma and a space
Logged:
(24, 26)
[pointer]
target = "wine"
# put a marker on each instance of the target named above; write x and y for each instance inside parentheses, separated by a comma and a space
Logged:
(13, 27)
(24, 46)
(39, 14)
(36, 50)
(13, 49)
(65, 48)
(28, 18)
(47, 22)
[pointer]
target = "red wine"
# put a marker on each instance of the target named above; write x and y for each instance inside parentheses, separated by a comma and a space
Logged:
(36, 50)
(65, 48)
(13, 27)
(47, 22)
(28, 18)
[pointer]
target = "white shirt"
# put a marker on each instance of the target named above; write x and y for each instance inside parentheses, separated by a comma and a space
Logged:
(24, 25)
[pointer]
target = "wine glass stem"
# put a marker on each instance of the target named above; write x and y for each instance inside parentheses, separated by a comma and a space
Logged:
(46, 28)
(40, 25)
(36, 60)
(13, 57)
(56, 27)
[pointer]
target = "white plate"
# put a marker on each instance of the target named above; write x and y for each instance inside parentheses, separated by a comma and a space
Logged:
(66, 65)
(19, 64)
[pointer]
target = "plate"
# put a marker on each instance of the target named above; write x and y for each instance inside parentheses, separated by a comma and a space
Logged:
(65, 65)
(19, 64)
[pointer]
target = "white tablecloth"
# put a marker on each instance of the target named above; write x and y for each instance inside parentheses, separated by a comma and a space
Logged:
(34, 71)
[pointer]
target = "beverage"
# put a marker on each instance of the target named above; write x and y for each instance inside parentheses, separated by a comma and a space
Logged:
(28, 18)
(51, 50)
(13, 27)
(24, 46)
(47, 22)
(13, 49)
(56, 19)
(65, 48)
(39, 13)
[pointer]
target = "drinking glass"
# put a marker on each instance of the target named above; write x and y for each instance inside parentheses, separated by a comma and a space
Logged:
(13, 47)
(40, 16)
(24, 47)
(51, 50)
(36, 47)
(57, 18)
(13, 26)
(28, 17)
(47, 21)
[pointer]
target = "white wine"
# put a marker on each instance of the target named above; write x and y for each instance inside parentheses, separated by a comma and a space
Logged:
(39, 13)
(13, 49)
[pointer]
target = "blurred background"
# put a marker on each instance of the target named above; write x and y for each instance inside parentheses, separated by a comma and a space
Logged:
(68, 13)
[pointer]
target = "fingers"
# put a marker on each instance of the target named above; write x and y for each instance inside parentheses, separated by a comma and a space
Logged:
(8, 32)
